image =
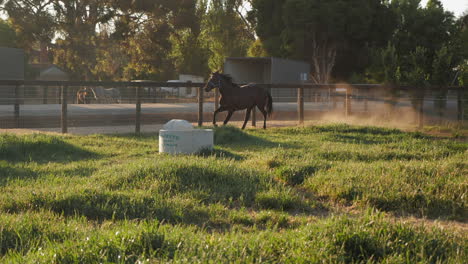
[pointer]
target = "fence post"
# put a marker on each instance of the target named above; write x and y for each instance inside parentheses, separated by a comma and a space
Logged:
(460, 116)
(254, 117)
(300, 104)
(333, 94)
(46, 92)
(64, 117)
(138, 110)
(421, 108)
(348, 102)
(17, 106)
(200, 106)
(60, 92)
(366, 100)
(329, 100)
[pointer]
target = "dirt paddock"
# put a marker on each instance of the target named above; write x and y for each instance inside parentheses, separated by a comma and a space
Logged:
(128, 129)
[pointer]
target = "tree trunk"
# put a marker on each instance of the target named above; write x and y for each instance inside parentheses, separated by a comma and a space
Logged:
(323, 60)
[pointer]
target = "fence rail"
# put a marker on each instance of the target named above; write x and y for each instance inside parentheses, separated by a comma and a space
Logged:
(349, 95)
(193, 84)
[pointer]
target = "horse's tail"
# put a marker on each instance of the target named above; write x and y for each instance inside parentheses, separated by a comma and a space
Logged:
(269, 105)
(93, 94)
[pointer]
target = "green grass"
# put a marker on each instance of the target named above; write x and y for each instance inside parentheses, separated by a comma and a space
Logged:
(334, 194)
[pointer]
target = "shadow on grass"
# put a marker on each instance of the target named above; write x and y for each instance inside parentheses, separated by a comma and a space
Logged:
(97, 206)
(80, 171)
(7, 173)
(101, 206)
(219, 153)
(41, 149)
(238, 187)
(374, 139)
(421, 206)
(344, 128)
(365, 139)
(344, 133)
(296, 174)
(192, 193)
(117, 206)
(141, 136)
(370, 157)
(218, 184)
(229, 135)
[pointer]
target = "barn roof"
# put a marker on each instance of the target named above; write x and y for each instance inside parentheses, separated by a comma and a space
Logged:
(53, 73)
(256, 59)
(263, 59)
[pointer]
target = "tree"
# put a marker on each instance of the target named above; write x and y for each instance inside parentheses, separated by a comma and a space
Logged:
(461, 51)
(153, 32)
(425, 46)
(430, 28)
(320, 31)
(355, 55)
(257, 49)
(385, 66)
(7, 35)
(417, 74)
(190, 52)
(33, 22)
(111, 58)
(148, 52)
(225, 32)
(77, 45)
(442, 67)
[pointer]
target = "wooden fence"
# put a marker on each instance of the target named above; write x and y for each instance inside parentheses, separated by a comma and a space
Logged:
(346, 93)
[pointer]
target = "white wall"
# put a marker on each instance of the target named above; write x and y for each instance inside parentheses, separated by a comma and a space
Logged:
(287, 71)
(247, 71)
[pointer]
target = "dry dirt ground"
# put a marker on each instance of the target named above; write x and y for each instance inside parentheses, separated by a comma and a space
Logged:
(127, 129)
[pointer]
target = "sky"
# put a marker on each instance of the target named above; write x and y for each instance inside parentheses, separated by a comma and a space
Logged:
(455, 6)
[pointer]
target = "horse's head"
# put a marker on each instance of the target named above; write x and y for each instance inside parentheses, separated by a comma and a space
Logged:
(213, 82)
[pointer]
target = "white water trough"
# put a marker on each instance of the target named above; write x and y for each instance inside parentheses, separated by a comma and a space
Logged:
(179, 137)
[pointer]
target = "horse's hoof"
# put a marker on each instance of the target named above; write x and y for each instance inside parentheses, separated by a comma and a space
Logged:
(215, 125)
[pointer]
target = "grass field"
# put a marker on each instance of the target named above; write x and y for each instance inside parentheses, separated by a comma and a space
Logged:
(323, 194)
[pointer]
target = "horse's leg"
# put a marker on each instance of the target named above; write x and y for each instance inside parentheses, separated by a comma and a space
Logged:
(220, 109)
(247, 116)
(264, 112)
(228, 117)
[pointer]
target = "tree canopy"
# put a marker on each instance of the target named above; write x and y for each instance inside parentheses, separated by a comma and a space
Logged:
(322, 32)
(425, 43)
(379, 41)
(363, 40)
(125, 40)
(7, 35)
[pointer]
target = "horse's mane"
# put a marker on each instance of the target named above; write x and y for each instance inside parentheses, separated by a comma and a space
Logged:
(227, 77)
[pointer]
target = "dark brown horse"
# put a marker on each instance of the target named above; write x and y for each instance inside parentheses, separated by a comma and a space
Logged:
(235, 97)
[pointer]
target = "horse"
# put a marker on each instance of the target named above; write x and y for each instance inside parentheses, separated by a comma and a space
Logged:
(83, 96)
(235, 97)
(110, 95)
